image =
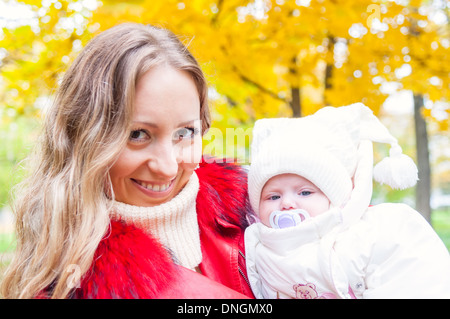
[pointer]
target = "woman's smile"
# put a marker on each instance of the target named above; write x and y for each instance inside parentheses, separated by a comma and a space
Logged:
(154, 189)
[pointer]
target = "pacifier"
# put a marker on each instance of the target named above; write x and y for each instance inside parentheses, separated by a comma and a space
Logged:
(287, 218)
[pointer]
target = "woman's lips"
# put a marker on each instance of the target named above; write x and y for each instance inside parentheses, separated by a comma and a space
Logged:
(153, 189)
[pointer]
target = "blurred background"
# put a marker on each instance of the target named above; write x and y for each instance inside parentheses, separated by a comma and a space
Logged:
(262, 58)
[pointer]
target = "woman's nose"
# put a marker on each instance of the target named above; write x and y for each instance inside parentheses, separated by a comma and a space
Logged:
(164, 162)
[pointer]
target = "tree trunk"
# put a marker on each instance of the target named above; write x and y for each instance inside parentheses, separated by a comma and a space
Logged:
(423, 188)
(329, 68)
(295, 102)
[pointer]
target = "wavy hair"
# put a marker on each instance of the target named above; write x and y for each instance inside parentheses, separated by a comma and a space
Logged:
(62, 207)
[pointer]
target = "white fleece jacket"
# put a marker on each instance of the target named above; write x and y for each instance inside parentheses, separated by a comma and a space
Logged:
(391, 252)
(382, 251)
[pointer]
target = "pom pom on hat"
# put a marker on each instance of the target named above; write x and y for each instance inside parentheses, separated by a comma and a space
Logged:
(398, 170)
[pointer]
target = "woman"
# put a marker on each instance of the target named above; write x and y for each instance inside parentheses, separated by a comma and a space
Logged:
(117, 204)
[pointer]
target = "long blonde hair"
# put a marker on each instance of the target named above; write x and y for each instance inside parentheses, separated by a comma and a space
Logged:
(62, 207)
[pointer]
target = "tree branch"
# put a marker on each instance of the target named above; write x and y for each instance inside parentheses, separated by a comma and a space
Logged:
(219, 10)
(260, 87)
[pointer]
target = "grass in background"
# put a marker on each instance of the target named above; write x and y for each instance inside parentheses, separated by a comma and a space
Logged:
(7, 246)
(440, 220)
(16, 140)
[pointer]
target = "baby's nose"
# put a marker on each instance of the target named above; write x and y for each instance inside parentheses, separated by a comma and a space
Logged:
(287, 203)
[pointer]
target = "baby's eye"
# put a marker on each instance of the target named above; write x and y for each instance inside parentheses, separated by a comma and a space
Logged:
(274, 197)
(305, 193)
(138, 135)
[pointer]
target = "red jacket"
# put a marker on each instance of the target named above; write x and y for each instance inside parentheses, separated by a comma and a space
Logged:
(131, 264)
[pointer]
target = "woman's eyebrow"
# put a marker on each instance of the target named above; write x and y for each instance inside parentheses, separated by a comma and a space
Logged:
(154, 125)
(188, 122)
(146, 123)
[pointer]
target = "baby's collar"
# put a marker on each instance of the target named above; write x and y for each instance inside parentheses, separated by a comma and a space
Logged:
(310, 230)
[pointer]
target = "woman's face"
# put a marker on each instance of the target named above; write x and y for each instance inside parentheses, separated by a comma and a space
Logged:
(164, 144)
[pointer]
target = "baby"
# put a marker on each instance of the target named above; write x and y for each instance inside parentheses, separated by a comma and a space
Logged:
(317, 236)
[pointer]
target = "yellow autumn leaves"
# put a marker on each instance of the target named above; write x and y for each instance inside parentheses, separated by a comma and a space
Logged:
(262, 57)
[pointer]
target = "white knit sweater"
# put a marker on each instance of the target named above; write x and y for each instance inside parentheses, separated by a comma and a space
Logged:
(174, 223)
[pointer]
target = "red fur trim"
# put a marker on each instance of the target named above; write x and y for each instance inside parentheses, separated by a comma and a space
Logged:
(128, 264)
(222, 194)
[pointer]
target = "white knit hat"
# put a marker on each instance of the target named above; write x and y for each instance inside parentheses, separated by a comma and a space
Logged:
(323, 149)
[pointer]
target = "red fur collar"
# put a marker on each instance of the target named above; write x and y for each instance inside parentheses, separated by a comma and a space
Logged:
(222, 198)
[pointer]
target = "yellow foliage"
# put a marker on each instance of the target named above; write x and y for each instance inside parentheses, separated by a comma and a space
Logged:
(253, 52)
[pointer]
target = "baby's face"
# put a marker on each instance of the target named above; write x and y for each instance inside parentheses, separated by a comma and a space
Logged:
(290, 191)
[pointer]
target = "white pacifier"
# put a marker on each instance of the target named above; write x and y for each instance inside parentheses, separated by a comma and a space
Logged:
(287, 218)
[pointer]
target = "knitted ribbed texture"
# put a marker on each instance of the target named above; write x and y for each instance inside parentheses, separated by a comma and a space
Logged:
(174, 223)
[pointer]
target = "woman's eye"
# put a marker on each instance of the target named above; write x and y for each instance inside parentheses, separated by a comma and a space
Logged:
(138, 135)
(185, 133)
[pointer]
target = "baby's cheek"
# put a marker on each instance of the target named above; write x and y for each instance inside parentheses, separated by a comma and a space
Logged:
(265, 209)
(320, 205)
